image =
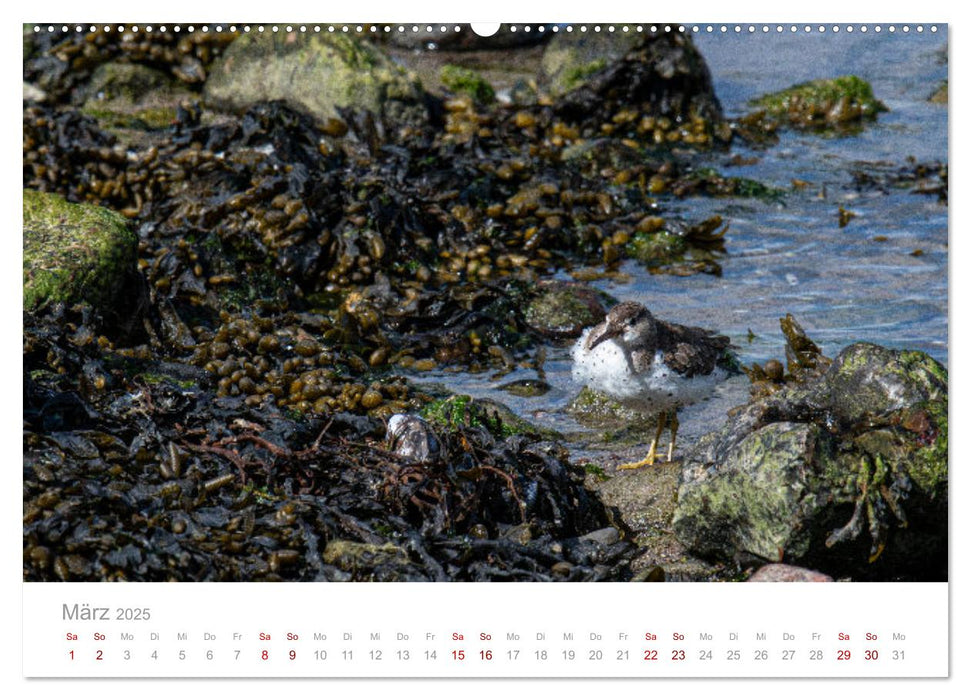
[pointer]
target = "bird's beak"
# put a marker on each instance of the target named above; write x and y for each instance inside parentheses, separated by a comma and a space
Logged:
(601, 333)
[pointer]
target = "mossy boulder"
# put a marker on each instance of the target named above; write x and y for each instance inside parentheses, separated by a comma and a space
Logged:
(940, 95)
(570, 58)
(563, 309)
(465, 81)
(128, 96)
(75, 253)
(597, 410)
(846, 473)
(131, 82)
(461, 411)
(617, 425)
(319, 73)
(821, 104)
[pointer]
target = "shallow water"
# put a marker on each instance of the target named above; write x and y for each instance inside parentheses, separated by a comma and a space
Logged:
(791, 256)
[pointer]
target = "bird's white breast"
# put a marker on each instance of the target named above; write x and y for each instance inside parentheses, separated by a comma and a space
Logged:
(606, 369)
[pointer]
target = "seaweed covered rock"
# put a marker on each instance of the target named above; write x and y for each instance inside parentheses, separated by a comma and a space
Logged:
(563, 309)
(61, 63)
(462, 412)
(570, 58)
(128, 81)
(846, 472)
(121, 94)
(320, 73)
(660, 90)
(805, 362)
(597, 410)
(75, 253)
(822, 104)
(676, 247)
(466, 81)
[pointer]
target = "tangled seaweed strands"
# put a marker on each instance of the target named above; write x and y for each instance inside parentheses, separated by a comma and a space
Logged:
(158, 481)
(253, 535)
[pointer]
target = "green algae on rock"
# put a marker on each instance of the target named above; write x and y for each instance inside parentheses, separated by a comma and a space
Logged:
(594, 409)
(462, 411)
(128, 81)
(74, 252)
(676, 247)
(465, 81)
(563, 309)
(132, 96)
(801, 475)
(820, 104)
(320, 73)
(569, 59)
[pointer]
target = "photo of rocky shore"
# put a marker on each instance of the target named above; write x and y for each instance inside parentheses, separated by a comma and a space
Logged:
(601, 303)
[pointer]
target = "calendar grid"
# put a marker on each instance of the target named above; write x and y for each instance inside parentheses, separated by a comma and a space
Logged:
(468, 630)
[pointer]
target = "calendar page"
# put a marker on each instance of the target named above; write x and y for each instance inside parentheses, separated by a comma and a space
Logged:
(566, 349)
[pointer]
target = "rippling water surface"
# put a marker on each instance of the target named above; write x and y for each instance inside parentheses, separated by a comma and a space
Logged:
(791, 256)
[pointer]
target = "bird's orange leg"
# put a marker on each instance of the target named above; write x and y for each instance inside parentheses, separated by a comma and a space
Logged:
(651, 453)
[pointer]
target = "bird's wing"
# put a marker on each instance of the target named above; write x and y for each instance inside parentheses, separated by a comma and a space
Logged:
(689, 350)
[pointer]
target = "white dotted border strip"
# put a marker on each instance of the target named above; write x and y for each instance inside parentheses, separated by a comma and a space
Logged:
(443, 29)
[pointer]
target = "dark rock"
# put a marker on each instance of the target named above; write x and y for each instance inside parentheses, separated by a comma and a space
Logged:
(128, 81)
(800, 475)
(130, 95)
(597, 410)
(662, 79)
